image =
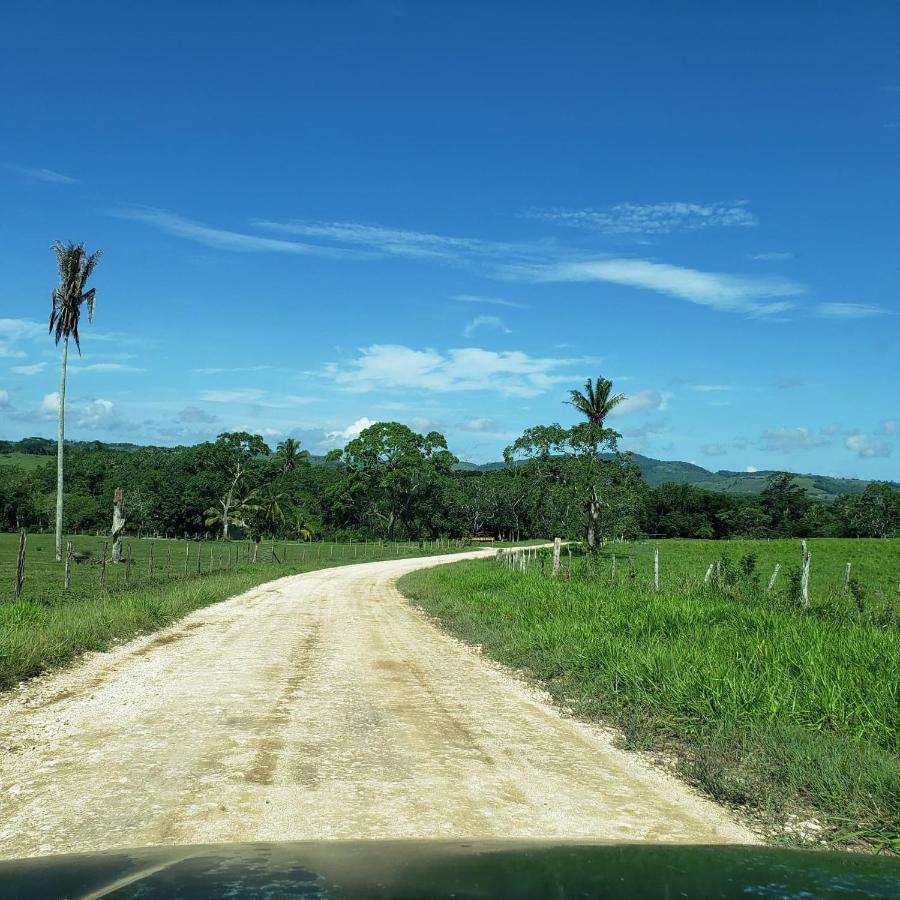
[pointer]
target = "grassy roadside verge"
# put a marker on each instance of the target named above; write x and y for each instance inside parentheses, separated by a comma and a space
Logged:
(760, 707)
(53, 628)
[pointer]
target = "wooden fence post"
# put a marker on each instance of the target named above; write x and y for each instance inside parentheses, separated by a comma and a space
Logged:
(103, 568)
(557, 546)
(199, 555)
(771, 585)
(656, 568)
(847, 576)
(150, 562)
(804, 576)
(709, 571)
(68, 575)
(255, 551)
(613, 568)
(20, 563)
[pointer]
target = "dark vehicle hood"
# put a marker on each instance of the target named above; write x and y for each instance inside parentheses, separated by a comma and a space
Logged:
(445, 869)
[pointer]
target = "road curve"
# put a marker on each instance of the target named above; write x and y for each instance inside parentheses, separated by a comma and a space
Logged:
(318, 706)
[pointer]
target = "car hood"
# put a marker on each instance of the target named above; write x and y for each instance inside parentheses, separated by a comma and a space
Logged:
(445, 869)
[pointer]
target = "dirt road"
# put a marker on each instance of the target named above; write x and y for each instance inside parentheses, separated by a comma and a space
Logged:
(318, 706)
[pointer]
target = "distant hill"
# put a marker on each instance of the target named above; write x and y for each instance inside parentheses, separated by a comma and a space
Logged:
(658, 471)
(32, 452)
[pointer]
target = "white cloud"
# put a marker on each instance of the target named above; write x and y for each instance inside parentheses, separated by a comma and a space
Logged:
(46, 175)
(720, 291)
(480, 423)
(241, 395)
(865, 447)
(751, 469)
(488, 301)
(353, 430)
(848, 311)
(772, 256)
(512, 373)
(651, 218)
(34, 369)
(641, 402)
(49, 405)
(494, 323)
(787, 440)
(96, 413)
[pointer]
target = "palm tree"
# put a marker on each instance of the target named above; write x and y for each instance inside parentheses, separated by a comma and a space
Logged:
(271, 510)
(75, 267)
(303, 527)
(290, 453)
(596, 404)
(226, 513)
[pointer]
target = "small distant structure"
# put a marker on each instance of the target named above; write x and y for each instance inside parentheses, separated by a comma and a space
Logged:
(483, 539)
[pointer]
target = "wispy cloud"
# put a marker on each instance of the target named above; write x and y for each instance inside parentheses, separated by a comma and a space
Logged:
(490, 323)
(848, 311)
(643, 401)
(771, 256)
(48, 176)
(196, 415)
(34, 369)
(787, 440)
(391, 366)
(240, 395)
(223, 239)
(216, 370)
(14, 331)
(487, 301)
(732, 293)
(713, 450)
(481, 424)
(651, 218)
(104, 367)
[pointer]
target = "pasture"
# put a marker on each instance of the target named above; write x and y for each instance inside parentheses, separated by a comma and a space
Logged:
(761, 703)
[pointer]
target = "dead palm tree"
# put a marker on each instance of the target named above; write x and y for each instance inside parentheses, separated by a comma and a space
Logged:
(75, 267)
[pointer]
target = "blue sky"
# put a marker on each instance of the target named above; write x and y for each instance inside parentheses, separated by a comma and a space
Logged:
(317, 215)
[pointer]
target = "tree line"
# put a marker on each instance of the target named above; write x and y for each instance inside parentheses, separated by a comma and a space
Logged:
(394, 483)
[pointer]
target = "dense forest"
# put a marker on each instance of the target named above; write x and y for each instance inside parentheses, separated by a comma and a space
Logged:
(393, 482)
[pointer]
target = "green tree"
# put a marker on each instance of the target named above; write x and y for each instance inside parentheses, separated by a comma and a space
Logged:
(390, 475)
(289, 454)
(75, 267)
(785, 503)
(234, 453)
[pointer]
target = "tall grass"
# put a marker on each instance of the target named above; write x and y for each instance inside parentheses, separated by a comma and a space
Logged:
(762, 705)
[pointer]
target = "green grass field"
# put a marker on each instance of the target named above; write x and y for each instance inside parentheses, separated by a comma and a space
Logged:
(26, 461)
(49, 625)
(763, 704)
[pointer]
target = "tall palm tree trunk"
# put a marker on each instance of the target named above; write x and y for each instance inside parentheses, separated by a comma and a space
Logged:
(60, 439)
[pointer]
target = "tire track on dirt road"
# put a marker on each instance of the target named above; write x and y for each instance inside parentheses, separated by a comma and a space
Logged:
(317, 706)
